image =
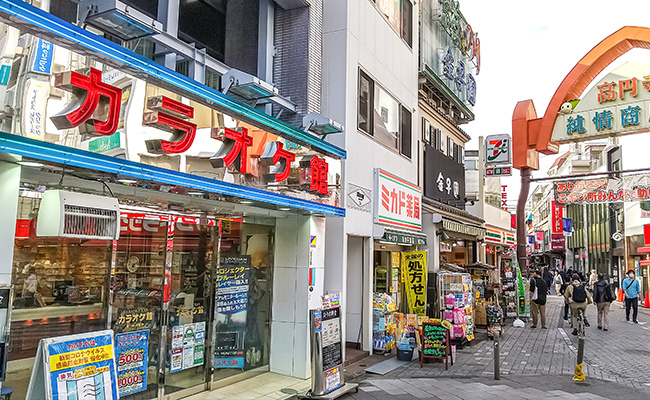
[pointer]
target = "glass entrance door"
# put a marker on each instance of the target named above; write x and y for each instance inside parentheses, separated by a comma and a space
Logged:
(191, 291)
(137, 305)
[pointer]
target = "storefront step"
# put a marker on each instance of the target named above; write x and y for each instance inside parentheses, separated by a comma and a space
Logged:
(265, 386)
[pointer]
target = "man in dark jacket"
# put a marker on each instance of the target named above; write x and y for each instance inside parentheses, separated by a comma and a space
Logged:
(538, 305)
(603, 298)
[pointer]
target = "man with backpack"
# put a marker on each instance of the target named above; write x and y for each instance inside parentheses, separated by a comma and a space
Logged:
(578, 297)
(603, 297)
(538, 292)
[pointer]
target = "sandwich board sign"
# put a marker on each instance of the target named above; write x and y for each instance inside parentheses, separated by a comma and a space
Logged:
(78, 366)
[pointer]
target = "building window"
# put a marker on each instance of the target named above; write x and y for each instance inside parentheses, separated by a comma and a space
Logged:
(399, 17)
(407, 22)
(382, 116)
(405, 135)
(365, 102)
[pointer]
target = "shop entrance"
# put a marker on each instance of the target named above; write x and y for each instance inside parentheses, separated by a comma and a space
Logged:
(148, 253)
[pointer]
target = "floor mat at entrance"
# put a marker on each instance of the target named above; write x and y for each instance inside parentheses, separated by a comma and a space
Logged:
(385, 367)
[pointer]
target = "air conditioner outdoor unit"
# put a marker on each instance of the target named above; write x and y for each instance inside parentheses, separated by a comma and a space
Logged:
(78, 215)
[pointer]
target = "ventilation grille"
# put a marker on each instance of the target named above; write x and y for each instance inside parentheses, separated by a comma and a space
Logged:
(89, 223)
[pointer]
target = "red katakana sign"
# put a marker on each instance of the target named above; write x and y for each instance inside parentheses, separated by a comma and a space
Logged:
(274, 153)
(235, 147)
(172, 120)
(93, 98)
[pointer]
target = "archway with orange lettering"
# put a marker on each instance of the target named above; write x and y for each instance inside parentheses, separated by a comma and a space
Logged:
(532, 135)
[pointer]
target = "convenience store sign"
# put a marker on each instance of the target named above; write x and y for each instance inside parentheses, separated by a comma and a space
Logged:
(397, 201)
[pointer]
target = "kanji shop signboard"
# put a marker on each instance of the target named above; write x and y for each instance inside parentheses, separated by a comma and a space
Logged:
(444, 178)
(618, 105)
(397, 201)
(556, 217)
(603, 190)
(85, 104)
(498, 149)
(414, 276)
(498, 171)
(450, 48)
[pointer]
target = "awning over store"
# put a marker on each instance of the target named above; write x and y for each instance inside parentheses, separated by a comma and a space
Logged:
(644, 263)
(467, 229)
(404, 237)
(480, 265)
(451, 267)
(644, 249)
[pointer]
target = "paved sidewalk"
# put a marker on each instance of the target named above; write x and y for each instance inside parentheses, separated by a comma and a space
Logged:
(538, 387)
(533, 360)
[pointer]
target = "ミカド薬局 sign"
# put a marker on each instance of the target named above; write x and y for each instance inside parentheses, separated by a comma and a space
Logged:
(398, 202)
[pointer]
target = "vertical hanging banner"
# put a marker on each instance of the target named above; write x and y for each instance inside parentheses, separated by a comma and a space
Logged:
(75, 367)
(131, 357)
(230, 312)
(414, 276)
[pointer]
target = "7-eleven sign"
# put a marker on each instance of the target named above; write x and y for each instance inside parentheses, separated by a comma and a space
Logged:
(497, 149)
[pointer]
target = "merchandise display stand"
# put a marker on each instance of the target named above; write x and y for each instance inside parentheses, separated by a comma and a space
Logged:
(456, 291)
(383, 322)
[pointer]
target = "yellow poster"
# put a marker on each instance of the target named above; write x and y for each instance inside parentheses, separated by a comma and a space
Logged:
(414, 276)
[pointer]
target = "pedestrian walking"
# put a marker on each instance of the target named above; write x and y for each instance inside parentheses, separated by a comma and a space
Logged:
(538, 291)
(603, 297)
(578, 297)
(558, 283)
(548, 278)
(631, 289)
(593, 278)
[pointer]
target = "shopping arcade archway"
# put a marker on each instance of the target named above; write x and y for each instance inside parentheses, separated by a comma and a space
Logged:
(532, 135)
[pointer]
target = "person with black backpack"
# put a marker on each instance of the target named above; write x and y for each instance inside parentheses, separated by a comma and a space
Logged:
(603, 297)
(578, 297)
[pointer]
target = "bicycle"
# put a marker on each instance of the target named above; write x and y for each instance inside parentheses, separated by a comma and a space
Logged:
(581, 324)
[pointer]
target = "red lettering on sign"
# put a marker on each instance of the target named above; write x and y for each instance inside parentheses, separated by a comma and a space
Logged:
(318, 182)
(173, 121)
(274, 154)
(90, 93)
(235, 147)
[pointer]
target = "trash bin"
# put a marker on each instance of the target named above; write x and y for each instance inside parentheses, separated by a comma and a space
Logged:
(405, 355)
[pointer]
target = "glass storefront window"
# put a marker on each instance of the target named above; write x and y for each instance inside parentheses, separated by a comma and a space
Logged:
(60, 289)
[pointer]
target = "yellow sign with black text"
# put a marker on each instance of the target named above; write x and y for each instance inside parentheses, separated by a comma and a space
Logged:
(414, 276)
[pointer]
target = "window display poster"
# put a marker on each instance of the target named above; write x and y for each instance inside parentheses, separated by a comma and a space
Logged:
(232, 281)
(414, 276)
(75, 367)
(188, 344)
(132, 361)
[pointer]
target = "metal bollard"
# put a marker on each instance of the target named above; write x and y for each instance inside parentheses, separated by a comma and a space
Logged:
(579, 376)
(497, 363)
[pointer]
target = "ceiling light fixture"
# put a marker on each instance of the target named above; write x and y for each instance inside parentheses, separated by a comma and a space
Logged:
(127, 180)
(246, 202)
(284, 208)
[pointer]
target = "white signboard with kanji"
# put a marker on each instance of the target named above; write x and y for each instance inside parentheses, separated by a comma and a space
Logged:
(618, 105)
(397, 201)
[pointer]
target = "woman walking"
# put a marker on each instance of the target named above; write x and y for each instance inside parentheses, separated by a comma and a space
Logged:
(603, 297)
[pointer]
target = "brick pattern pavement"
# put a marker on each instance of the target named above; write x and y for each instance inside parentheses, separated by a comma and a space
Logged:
(614, 360)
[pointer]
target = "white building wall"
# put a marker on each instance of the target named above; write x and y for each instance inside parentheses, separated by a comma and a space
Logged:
(356, 35)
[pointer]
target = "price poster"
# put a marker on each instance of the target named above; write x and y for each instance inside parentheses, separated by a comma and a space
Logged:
(131, 357)
(75, 367)
(414, 276)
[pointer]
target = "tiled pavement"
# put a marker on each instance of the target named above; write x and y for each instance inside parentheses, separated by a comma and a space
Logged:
(615, 363)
